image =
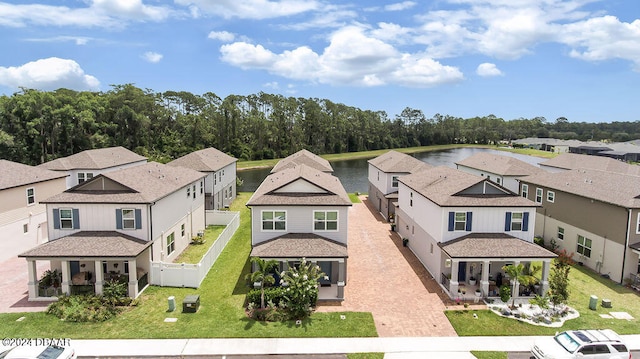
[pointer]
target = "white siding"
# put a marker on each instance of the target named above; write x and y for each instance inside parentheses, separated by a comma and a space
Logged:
(172, 209)
(377, 178)
(423, 212)
(72, 179)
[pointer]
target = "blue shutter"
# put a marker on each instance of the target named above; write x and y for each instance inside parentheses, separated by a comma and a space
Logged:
(507, 222)
(452, 216)
(56, 218)
(138, 214)
(76, 218)
(467, 226)
(118, 218)
(525, 221)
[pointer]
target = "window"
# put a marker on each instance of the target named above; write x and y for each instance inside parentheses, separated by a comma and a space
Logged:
(31, 196)
(66, 218)
(584, 246)
(378, 175)
(25, 228)
(560, 233)
(194, 191)
(551, 196)
(274, 220)
(188, 191)
(84, 176)
(128, 219)
(215, 178)
(638, 225)
(499, 180)
(171, 243)
(201, 187)
(516, 221)
(394, 181)
(411, 199)
(538, 195)
(525, 190)
(460, 221)
(182, 229)
(325, 220)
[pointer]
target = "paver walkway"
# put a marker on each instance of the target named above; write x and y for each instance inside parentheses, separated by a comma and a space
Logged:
(387, 280)
(13, 286)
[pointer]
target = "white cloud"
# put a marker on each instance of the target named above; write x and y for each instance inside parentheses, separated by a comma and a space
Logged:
(351, 58)
(250, 9)
(223, 36)
(330, 16)
(48, 74)
(79, 40)
(272, 85)
(152, 57)
(400, 6)
(488, 70)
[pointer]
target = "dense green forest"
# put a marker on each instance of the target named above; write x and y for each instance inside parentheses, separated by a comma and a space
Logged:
(37, 126)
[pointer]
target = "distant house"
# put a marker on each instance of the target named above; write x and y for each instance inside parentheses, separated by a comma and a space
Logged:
(464, 228)
(220, 168)
(113, 225)
(302, 212)
(571, 161)
(303, 157)
(23, 220)
(384, 172)
(592, 213)
(85, 165)
(504, 170)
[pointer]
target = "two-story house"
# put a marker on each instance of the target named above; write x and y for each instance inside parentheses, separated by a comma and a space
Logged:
(464, 228)
(383, 174)
(503, 170)
(23, 220)
(83, 166)
(113, 225)
(301, 212)
(220, 184)
(594, 214)
(572, 161)
(303, 157)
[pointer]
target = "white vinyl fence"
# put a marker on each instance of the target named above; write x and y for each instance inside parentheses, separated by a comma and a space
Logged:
(191, 275)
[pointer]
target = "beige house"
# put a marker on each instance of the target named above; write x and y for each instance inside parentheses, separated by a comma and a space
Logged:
(23, 219)
(571, 161)
(593, 213)
(503, 170)
(303, 157)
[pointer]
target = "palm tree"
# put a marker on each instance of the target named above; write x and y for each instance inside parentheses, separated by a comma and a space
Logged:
(262, 274)
(517, 275)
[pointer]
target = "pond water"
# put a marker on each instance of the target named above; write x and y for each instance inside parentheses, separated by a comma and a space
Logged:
(353, 173)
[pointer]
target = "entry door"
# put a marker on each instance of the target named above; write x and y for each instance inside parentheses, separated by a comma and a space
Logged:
(325, 267)
(462, 271)
(75, 267)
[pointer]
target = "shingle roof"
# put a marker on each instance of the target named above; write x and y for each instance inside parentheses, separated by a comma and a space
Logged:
(14, 174)
(446, 186)
(140, 184)
(99, 158)
(299, 245)
(331, 191)
(397, 162)
(498, 164)
(609, 187)
(571, 161)
(90, 244)
(303, 157)
(493, 245)
(206, 160)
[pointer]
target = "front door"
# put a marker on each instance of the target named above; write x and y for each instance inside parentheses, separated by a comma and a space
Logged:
(74, 266)
(462, 272)
(325, 267)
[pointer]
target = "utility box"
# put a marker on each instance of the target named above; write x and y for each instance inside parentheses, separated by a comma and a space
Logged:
(191, 303)
(172, 303)
(593, 302)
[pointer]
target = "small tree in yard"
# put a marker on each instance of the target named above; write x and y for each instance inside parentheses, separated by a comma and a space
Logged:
(301, 291)
(262, 275)
(517, 275)
(559, 278)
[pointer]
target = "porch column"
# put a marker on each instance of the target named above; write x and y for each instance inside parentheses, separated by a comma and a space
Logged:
(133, 278)
(99, 277)
(516, 288)
(544, 285)
(453, 283)
(66, 277)
(484, 282)
(33, 279)
(342, 271)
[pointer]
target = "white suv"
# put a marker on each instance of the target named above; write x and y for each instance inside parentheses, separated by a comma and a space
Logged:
(587, 344)
(39, 352)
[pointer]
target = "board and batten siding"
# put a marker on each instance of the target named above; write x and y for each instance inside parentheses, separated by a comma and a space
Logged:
(172, 209)
(382, 180)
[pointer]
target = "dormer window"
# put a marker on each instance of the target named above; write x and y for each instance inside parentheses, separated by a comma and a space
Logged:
(84, 176)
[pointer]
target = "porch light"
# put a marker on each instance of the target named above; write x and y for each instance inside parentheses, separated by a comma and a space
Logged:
(447, 263)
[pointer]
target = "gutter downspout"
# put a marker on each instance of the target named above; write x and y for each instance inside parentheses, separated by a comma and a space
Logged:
(626, 246)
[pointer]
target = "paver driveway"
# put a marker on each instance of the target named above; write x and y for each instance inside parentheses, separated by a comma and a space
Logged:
(13, 286)
(387, 280)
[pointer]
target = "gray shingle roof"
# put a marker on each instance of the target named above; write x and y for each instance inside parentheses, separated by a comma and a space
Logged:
(100, 158)
(140, 184)
(493, 245)
(498, 164)
(446, 186)
(303, 157)
(206, 160)
(332, 193)
(299, 245)
(570, 161)
(90, 244)
(14, 174)
(609, 187)
(397, 162)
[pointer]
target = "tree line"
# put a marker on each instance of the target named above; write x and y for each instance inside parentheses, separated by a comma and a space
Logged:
(38, 126)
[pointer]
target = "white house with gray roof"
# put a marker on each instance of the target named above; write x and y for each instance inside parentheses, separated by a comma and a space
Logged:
(301, 212)
(571, 161)
(220, 169)
(504, 170)
(464, 228)
(23, 219)
(87, 164)
(303, 157)
(113, 225)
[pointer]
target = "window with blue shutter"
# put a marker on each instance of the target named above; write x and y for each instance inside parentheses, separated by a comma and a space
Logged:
(118, 218)
(451, 220)
(138, 219)
(507, 222)
(525, 222)
(467, 226)
(76, 218)
(56, 218)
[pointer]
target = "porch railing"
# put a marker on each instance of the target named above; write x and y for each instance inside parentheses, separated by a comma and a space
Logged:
(444, 280)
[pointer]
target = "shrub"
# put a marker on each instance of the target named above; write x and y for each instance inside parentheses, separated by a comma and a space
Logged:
(114, 289)
(83, 308)
(505, 293)
(301, 292)
(274, 295)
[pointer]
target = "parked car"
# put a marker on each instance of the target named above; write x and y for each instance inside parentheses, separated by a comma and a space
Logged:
(39, 352)
(592, 344)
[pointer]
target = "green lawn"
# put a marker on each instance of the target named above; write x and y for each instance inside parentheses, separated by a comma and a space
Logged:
(354, 198)
(194, 252)
(221, 313)
(582, 284)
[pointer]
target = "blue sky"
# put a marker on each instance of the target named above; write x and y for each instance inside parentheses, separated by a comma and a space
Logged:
(511, 58)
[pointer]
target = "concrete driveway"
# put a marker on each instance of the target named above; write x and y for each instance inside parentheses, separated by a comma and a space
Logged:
(386, 279)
